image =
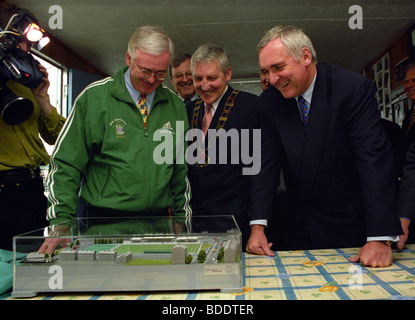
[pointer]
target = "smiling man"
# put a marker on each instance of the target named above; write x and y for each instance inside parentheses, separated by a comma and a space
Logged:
(220, 187)
(181, 77)
(336, 159)
(107, 142)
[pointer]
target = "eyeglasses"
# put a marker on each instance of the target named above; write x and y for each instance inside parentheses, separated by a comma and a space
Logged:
(180, 76)
(158, 75)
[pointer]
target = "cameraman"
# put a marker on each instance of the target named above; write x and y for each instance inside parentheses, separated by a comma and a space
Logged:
(22, 201)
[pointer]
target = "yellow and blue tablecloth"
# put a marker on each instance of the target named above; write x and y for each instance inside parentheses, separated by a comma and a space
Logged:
(297, 275)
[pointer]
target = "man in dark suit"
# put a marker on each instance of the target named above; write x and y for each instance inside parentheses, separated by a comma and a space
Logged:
(408, 123)
(337, 162)
(406, 192)
(406, 203)
(220, 181)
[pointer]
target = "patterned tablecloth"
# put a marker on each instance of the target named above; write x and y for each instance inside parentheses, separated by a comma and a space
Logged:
(298, 275)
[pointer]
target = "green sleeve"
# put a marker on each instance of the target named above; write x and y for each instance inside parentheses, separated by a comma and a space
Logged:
(68, 162)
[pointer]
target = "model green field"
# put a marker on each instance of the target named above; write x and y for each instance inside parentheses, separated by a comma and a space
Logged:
(142, 248)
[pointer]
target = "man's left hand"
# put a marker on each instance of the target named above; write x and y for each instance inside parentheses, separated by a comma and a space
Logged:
(374, 254)
(41, 92)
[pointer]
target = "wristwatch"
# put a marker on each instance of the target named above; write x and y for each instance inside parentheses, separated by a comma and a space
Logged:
(388, 242)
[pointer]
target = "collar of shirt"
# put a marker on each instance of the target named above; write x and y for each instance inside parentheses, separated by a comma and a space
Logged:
(309, 92)
(135, 95)
(216, 103)
(191, 99)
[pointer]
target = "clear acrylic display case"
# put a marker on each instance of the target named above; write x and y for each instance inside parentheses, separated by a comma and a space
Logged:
(130, 254)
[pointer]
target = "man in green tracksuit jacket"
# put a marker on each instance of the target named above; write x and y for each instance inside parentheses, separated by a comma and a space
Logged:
(108, 145)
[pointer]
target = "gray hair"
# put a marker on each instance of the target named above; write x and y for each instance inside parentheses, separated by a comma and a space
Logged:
(150, 39)
(210, 52)
(293, 38)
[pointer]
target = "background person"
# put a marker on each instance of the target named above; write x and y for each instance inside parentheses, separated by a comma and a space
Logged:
(181, 77)
(22, 200)
(406, 204)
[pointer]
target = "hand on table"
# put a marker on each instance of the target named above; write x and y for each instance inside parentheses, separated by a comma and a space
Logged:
(258, 243)
(374, 254)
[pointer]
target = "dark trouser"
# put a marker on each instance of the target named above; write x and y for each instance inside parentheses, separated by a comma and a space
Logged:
(22, 204)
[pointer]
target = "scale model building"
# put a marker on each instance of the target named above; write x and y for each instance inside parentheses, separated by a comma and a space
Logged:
(138, 263)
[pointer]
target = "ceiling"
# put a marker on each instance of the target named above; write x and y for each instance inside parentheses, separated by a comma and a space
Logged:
(99, 30)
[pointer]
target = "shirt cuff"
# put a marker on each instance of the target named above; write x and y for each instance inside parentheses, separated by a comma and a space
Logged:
(384, 238)
(263, 222)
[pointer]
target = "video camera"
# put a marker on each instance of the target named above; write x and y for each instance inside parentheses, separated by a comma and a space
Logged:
(19, 65)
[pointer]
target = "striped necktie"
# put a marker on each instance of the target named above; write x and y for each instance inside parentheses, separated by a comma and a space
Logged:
(142, 106)
(304, 110)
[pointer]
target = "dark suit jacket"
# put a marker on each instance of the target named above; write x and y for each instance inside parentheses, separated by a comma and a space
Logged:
(222, 189)
(407, 190)
(339, 175)
(409, 134)
(396, 138)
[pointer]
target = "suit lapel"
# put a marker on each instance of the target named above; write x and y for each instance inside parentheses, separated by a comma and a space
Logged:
(291, 130)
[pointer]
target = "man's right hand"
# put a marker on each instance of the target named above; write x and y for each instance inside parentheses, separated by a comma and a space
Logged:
(50, 244)
(258, 243)
(52, 241)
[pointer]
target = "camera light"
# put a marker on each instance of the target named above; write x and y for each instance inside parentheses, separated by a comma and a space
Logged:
(33, 32)
(42, 43)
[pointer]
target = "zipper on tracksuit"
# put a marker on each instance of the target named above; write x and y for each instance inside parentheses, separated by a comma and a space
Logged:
(149, 157)
(105, 184)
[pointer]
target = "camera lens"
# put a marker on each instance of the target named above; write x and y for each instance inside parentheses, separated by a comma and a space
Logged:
(14, 110)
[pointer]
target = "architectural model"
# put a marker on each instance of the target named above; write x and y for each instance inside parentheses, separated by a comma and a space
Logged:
(137, 262)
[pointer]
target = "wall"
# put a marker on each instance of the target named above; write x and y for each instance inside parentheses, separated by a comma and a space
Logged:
(59, 52)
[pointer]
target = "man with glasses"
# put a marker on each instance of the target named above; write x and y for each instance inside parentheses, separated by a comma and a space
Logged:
(109, 140)
(181, 77)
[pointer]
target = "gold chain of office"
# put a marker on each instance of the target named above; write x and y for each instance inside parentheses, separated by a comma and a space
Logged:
(221, 123)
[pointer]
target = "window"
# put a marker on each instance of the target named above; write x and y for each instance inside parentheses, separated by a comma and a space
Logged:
(57, 89)
(58, 97)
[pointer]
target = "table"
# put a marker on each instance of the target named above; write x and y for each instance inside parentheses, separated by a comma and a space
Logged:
(297, 275)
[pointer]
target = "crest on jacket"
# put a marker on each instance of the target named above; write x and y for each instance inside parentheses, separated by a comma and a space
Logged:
(118, 126)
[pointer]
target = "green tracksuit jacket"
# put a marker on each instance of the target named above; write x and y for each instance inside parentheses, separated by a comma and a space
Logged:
(104, 145)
